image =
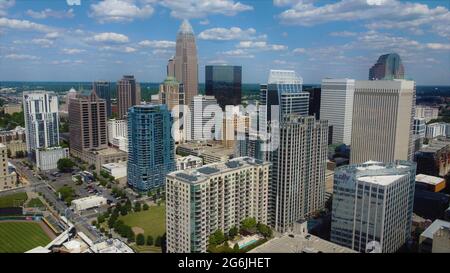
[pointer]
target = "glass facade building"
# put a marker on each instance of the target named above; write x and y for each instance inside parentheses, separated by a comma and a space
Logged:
(224, 82)
(151, 153)
(387, 67)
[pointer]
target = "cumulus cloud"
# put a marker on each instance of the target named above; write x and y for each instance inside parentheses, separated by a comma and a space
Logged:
(238, 53)
(47, 13)
(5, 5)
(109, 37)
(21, 57)
(121, 10)
(438, 46)
(261, 45)
(299, 50)
(225, 34)
(24, 25)
(186, 9)
(72, 51)
(122, 49)
(42, 42)
(343, 34)
(157, 44)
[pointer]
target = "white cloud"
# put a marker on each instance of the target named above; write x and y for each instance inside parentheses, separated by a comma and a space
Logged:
(343, 34)
(217, 61)
(261, 45)
(225, 34)
(46, 13)
(21, 57)
(157, 44)
(109, 37)
(24, 25)
(186, 9)
(438, 46)
(4, 5)
(67, 62)
(42, 42)
(299, 50)
(72, 51)
(122, 49)
(204, 22)
(380, 14)
(238, 53)
(52, 35)
(121, 10)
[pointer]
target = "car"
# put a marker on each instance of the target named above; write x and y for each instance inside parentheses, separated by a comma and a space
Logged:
(291, 235)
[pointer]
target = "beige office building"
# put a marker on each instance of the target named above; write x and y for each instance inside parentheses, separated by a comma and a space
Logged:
(128, 94)
(382, 121)
(213, 197)
(7, 180)
(171, 93)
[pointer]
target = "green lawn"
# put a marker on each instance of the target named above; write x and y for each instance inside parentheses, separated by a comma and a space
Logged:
(152, 221)
(13, 200)
(35, 203)
(19, 237)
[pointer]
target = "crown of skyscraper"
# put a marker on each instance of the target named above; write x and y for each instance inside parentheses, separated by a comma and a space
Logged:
(186, 27)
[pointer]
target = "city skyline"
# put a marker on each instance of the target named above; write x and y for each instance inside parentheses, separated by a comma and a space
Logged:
(51, 40)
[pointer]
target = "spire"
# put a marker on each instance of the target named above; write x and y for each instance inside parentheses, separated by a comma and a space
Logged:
(186, 27)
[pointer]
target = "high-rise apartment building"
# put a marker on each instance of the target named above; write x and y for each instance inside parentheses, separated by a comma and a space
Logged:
(214, 197)
(204, 115)
(118, 133)
(336, 106)
(297, 184)
(224, 82)
(382, 122)
(388, 67)
(103, 90)
(186, 63)
(41, 120)
(128, 94)
(373, 205)
(87, 123)
(151, 147)
(284, 89)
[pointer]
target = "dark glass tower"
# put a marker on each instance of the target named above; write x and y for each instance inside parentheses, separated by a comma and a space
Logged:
(388, 67)
(224, 82)
(103, 90)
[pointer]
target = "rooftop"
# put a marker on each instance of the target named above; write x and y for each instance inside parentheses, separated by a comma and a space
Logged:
(435, 145)
(435, 226)
(428, 179)
(382, 180)
(300, 244)
(114, 165)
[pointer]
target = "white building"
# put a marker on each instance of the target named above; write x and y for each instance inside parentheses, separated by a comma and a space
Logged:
(382, 122)
(336, 106)
(47, 159)
(118, 170)
(373, 201)
(205, 113)
(188, 162)
(41, 120)
(216, 196)
(436, 129)
(427, 112)
(88, 202)
(118, 134)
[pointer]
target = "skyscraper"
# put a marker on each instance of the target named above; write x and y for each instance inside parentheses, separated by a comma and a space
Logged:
(297, 184)
(373, 202)
(284, 89)
(201, 126)
(171, 67)
(382, 122)
(151, 152)
(128, 94)
(314, 100)
(214, 197)
(87, 123)
(224, 82)
(41, 120)
(186, 64)
(103, 90)
(171, 93)
(388, 67)
(337, 107)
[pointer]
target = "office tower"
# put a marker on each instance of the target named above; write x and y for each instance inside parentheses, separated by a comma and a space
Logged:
(87, 123)
(41, 120)
(103, 90)
(214, 197)
(427, 112)
(297, 184)
(336, 106)
(224, 82)
(186, 66)
(249, 146)
(382, 121)
(388, 67)
(128, 94)
(314, 101)
(284, 89)
(204, 115)
(171, 67)
(7, 179)
(70, 95)
(171, 93)
(151, 147)
(373, 201)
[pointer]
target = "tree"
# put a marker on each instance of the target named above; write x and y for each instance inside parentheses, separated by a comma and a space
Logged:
(233, 232)
(100, 219)
(94, 222)
(158, 241)
(140, 239)
(236, 247)
(248, 225)
(264, 230)
(217, 238)
(137, 206)
(145, 207)
(65, 165)
(123, 211)
(149, 240)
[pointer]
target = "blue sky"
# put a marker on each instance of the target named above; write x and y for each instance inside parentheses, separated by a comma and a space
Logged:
(80, 40)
